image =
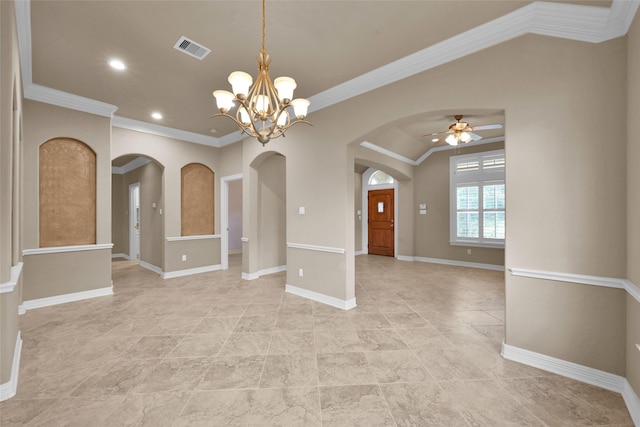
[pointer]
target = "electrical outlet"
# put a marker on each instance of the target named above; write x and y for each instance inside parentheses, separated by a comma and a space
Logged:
(300, 272)
(468, 251)
(184, 257)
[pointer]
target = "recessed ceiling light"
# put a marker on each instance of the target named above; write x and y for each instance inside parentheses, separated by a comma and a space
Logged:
(117, 64)
(435, 140)
(213, 130)
(156, 115)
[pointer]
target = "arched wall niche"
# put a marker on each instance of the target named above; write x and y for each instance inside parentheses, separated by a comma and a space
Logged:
(67, 193)
(197, 200)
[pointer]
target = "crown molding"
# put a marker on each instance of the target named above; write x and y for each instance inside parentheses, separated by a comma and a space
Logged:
(569, 21)
(154, 129)
(51, 96)
(394, 155)
(132, 165)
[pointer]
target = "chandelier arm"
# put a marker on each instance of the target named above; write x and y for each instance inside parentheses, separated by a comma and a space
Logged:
(241, 125)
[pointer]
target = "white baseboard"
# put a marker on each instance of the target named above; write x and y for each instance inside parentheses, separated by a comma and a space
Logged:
(234, 251)
(272, 270)
(62, 299)
(451, 262)
(151, 267)
(250, 276)
(120, 255)
(190, 271)
(356, 253)
(264, 272)
(325, 299)
(632, 401)
(9, 389)
(581, 373)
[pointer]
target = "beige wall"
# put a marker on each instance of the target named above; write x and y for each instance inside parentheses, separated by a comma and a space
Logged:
(633, 202)
(272, 205)
(199, 252)
(10, 183)
(119, 215)
(43, 122)
(432, 230)
(163, 176)
(48, 275)
(578, 323)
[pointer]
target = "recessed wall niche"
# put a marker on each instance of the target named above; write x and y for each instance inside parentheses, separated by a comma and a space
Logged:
(197, 200)
(67, 193)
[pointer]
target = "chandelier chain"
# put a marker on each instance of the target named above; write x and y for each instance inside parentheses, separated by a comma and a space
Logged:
(264, 23)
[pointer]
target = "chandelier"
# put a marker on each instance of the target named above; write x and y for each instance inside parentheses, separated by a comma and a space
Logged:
(262, 108)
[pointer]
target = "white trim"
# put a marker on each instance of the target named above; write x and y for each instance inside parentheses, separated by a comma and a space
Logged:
(150, 267)
(316, 248)
(65, 298)
(120, 255)
(9, 389)
(250, 276)
(263, 272)
(61, 249)
(577, 372)
(189, 271)
(155, 129)
(59, 98)
(356, 253)
(21, 310)
(132, 165)
(632, 289)
(272, 270)
(632, 401)
(244, 239)
(199, 237)
(607, 282)
(387, 152)
(418, 162)
(451, 262)
(325, 299)
(567, 369)
(9, 286)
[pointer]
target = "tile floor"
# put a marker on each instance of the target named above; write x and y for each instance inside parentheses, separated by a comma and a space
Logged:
(421, 348)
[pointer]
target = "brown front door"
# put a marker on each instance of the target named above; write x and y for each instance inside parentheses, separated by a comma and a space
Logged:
(381, 222)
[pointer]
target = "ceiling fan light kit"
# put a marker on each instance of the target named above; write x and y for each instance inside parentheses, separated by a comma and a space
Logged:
(460, 132)
(263, 108)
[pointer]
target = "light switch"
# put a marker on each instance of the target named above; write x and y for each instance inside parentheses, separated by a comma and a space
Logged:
(423, 206)
(301, 210)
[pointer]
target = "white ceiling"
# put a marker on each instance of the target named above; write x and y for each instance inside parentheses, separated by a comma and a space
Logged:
(66, 45)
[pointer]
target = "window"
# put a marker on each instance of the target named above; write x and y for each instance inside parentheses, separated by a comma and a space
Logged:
(379, 178)
(478, 199)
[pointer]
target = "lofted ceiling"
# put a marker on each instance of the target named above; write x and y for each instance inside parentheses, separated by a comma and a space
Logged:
(319, 43)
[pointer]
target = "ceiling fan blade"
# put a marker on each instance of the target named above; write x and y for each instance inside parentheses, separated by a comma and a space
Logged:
(475, 136)
(487, 127)
(435, 133)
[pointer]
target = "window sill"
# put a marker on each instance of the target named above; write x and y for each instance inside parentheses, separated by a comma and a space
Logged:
(478, 245)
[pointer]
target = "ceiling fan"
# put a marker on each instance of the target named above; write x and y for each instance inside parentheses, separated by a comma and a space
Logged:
(461, 132)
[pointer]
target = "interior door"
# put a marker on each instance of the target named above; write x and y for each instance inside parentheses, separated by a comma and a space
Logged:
(381, 229)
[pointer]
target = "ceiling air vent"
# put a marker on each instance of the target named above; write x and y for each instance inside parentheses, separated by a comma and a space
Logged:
(191, 48)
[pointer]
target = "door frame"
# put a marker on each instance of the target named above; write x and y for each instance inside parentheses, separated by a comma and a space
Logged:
(224, 218)
(365, 209)
(132, 221)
